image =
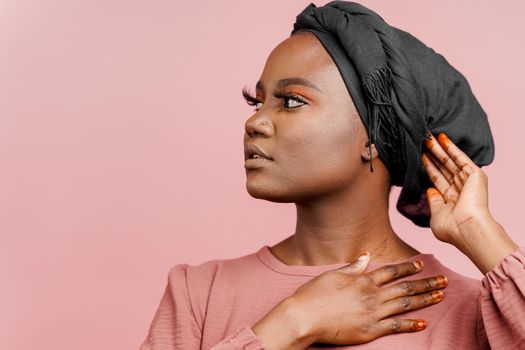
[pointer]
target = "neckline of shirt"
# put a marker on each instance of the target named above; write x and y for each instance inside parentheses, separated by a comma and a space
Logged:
(271, 261)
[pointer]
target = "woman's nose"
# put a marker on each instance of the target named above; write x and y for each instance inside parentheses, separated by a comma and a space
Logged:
(258, 125)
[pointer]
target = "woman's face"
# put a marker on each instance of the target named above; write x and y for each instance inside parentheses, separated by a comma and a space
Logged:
(310, 126)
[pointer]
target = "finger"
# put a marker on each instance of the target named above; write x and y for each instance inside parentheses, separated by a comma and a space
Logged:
(435, 174)
(458, 180)
(408, 303)
(357, 266)
(446, 173)
(397, 325)
(463, 161)
(445, 160)
(435, 200)
(388, 273)
(413, 287)
(459, 157)
(443, 186)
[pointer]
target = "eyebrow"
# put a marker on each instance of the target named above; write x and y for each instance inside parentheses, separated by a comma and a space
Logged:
(289, 81)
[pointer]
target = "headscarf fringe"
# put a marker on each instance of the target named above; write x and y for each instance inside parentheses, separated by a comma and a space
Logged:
(378, 89)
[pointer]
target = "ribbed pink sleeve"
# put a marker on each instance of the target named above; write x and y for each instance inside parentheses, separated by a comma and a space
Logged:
(174, 326)
(502, 304)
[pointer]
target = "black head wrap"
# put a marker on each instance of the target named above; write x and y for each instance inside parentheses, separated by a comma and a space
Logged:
(402, 90)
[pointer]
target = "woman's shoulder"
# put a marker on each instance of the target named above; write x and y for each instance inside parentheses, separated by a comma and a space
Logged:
(200, 277)
(212, 266)
(218, 277)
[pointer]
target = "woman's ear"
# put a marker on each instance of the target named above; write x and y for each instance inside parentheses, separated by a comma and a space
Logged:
(365, 152)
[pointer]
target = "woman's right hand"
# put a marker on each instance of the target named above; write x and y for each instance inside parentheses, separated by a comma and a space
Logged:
(346, 306)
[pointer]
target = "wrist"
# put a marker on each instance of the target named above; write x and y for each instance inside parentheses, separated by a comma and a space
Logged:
(484, 241)
(476, 230)
(283, 328)
(301, 325)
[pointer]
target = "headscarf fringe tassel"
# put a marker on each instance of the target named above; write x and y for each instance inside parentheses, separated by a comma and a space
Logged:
(378, 87)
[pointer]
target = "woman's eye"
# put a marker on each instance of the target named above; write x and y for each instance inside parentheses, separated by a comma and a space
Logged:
(292, 101)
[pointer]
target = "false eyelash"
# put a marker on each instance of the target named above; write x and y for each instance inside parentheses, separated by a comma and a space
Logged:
(250, 99)
(253, 101)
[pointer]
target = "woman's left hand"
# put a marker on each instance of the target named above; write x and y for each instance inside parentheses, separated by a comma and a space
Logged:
(460, 195)
(459, 208)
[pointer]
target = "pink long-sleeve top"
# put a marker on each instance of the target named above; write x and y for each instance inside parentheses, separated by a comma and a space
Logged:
(213, 305)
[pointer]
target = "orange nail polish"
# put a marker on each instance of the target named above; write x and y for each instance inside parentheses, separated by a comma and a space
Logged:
(442, 281)
(431, 191)
(437, 295)
(421, 324)
(443, 138)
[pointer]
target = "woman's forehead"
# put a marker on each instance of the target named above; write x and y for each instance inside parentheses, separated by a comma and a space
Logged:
(300, 55)
(301, 48)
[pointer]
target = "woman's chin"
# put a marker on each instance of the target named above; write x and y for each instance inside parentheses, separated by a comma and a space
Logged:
(269, 193)
(264, 191)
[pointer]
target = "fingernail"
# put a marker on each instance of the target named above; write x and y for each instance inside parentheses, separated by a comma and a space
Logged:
(437, 295)
(443, 138)
(418, 264)
(421, 324)
(431, 191)
(442, 281)
(363, 256)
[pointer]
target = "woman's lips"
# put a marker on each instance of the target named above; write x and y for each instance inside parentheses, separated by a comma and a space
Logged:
(250, 149)
(254, 163)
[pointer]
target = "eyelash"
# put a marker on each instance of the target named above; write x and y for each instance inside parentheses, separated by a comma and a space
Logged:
(253, 101)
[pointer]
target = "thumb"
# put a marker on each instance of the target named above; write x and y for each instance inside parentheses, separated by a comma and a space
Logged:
(357, 266)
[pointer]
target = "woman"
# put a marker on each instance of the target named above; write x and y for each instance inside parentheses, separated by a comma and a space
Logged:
(345, 108)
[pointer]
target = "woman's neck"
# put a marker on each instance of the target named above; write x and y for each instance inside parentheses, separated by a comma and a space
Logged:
(337, 228)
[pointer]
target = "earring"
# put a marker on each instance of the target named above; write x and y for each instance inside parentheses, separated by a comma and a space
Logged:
(263, 122)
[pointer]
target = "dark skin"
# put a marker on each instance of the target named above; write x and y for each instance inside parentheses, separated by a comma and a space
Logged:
(321, 163)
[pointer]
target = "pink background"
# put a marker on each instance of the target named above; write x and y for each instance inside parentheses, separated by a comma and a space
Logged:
(121, 129)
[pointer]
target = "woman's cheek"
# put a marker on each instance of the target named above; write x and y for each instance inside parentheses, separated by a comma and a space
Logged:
(318, 154)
